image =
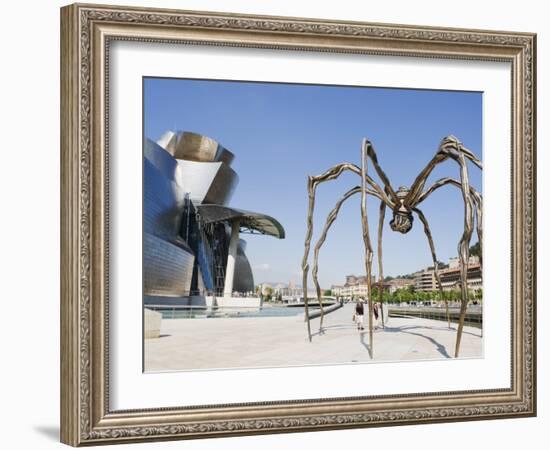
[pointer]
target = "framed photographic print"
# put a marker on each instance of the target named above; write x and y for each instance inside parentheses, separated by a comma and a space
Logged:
(277, 224)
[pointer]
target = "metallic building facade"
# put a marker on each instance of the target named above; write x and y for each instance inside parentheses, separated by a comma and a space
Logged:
(191, 243)
(245, 278)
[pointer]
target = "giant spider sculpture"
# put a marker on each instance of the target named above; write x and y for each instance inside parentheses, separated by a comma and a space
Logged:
(403, 204)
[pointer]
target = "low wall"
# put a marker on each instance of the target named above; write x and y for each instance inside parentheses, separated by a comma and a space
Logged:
(176, 302)
(317, 312)
(152, 322)
(199, 301)
(234, 302)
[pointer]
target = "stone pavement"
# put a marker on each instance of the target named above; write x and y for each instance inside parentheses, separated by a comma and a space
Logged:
(282, 341)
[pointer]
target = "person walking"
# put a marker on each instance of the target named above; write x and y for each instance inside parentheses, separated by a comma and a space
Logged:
(359, 314)
(376, 315)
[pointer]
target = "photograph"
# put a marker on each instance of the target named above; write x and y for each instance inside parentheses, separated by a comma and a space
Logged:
(290, 224)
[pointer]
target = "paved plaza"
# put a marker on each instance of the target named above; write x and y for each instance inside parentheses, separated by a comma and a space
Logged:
(215, 343)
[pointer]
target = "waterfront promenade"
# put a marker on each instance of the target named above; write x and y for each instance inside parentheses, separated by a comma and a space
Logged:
(215, 343)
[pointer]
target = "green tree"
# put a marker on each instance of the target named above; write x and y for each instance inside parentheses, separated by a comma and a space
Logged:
(399, 295)
(479, 295)
(407, 296)
(475, 250)
(395, 296)
(456, 295)
(327, 293)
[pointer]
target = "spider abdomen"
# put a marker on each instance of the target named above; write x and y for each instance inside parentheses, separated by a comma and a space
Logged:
(402, 221)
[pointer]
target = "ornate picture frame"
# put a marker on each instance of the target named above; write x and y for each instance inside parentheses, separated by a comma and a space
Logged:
(87, 32)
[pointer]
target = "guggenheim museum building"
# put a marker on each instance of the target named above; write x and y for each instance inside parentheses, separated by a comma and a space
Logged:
(192, 244)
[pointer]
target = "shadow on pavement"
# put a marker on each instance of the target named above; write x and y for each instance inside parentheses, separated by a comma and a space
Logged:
(439, 347)
(411, 327)
(364, 344)
(333, 327)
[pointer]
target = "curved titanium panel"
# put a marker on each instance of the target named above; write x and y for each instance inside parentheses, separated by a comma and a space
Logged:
(204, 259)
(165, 163)
(168, 142)
(261, 223)
(162, 203)
(244, 279)
(167, 260)
(167, 269)
(196, 147)
(207, 182)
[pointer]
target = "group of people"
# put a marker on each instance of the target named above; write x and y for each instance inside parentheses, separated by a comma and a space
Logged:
(359, 315)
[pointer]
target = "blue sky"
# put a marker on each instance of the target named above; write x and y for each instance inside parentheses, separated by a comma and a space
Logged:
(281, 133)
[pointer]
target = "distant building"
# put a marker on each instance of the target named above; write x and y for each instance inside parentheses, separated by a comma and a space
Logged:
(451, 276)
(356, 286)
(337, 290)
(422, 281)
(352, 280)
(286, 291)
(398, 283)
(425, 280)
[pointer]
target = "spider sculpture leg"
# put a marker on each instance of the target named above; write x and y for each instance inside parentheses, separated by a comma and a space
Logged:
(478, 201)
(464, 245)
(366, 239)
(478, 204)
(464, 256)
(330, 220)
(305, 265)
(390, 201)
(428, 234)
(380, 267)
(313, 182)
(451, 147)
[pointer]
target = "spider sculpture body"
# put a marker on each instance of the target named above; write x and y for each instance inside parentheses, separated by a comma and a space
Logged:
(404, 205)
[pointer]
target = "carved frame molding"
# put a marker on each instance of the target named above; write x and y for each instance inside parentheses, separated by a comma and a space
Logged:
(86, 32)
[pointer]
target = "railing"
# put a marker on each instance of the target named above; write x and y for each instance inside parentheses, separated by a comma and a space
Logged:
(473, 317)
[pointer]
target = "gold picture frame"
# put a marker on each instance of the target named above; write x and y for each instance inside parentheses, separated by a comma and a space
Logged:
(86, 33)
